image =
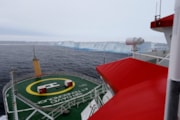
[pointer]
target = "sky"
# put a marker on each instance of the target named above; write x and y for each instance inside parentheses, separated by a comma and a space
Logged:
(80, 20)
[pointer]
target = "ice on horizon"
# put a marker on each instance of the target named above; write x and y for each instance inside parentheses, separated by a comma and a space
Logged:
(115, 47)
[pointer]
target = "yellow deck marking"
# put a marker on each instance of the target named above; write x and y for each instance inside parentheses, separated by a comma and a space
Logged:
(28, 88)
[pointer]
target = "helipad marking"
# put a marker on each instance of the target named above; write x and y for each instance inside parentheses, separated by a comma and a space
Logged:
(28, 88)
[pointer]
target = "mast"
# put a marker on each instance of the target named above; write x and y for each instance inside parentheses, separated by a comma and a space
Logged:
(34, 52)
(173, 83)
(160, 8)
(158, 14)
(36, 64)
(14, 96)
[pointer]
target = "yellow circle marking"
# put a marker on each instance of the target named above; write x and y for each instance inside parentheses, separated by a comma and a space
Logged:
(28, 88)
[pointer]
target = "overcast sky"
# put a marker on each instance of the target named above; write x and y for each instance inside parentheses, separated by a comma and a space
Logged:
(80, 20)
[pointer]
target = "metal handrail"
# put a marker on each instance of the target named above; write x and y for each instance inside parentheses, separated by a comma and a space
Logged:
(152, 56)
(77, 100)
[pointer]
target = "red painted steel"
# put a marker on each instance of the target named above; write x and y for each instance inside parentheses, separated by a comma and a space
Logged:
(140, 89)
(163, 22)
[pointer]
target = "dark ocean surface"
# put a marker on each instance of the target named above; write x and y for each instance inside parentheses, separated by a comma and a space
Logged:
(52, 59)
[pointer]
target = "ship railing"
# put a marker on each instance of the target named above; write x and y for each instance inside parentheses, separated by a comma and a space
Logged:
(8, 85)
(4, 98)
(161, 58)
(66, 105)
(34, 106)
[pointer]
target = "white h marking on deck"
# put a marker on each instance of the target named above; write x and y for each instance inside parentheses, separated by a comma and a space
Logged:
(50, 85)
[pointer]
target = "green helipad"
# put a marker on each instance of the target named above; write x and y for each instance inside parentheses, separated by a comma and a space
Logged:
(29, 99)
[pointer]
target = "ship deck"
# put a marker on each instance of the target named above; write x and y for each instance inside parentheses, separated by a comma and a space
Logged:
(55, 95)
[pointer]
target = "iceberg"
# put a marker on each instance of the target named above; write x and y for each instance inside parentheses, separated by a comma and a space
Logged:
(115, 47)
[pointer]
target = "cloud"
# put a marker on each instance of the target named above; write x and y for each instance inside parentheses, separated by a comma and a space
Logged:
(16, 31)
(96, 19)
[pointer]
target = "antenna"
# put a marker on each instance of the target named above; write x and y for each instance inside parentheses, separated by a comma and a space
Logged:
(158, 15)
(156, 8)
(160, 8)
(34, 52)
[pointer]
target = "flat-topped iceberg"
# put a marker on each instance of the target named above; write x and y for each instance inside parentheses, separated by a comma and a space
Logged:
(116, 47)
